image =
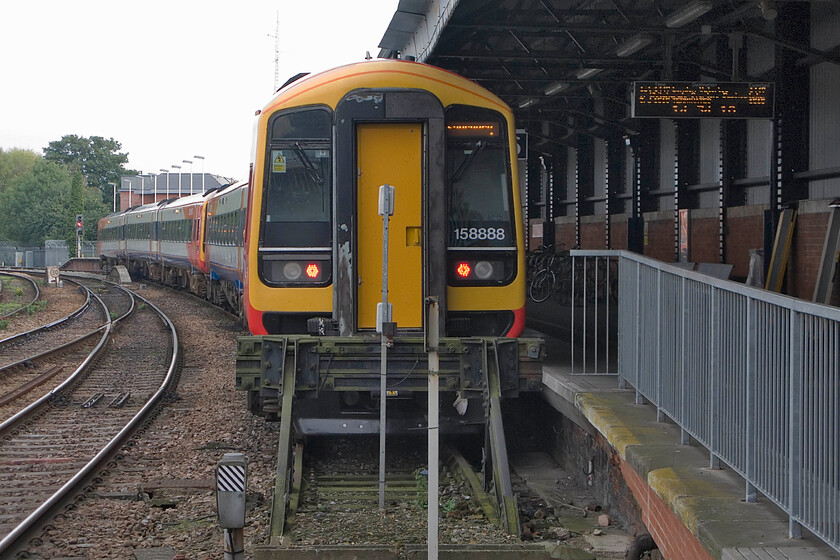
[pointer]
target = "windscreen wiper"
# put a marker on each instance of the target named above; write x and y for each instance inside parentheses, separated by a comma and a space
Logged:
(467, 161)
(307, 164)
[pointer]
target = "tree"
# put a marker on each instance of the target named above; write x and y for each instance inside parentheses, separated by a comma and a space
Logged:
(15, 163)
(43, 205)
(98, 159)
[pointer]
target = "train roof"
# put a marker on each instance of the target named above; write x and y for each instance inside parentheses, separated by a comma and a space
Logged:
(330, 86)
(182, 201)
(227, 189)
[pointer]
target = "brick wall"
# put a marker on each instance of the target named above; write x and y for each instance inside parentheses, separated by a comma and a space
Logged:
(806, 249)
(659, 238)
(745, 231)
(564, 234)
(618, 232)
(674, 540)
(703, 237)
(593, 233)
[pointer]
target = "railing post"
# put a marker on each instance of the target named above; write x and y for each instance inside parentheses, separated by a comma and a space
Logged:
(660, 417)
(795, 430)
(572, 306)
(714, 363)
(751, 386)
(684, 438)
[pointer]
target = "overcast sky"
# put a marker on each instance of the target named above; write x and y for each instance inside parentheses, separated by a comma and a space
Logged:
(167, 79)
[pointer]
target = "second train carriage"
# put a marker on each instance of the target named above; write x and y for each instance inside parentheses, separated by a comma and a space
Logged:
(324, 146)
(223, 244)
(194, 243)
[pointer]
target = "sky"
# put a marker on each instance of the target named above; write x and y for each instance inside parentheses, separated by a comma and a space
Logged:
(168, 80)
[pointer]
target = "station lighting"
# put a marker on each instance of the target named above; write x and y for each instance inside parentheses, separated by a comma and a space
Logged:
(585, 73)
(688, 13)
(555, 87)
(633, 45)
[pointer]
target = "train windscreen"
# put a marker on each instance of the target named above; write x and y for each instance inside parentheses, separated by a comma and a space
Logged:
(298, 196)
(479, 179)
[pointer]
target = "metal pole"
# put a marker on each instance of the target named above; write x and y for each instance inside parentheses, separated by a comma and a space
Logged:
(432, 344)
(386, 209)
(234, 544)
(201, 158)
(178, 167)
(167, 182)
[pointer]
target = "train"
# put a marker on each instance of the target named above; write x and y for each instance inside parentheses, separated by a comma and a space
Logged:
(339, 158)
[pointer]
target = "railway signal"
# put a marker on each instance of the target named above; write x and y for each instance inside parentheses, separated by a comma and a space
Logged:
(231, 480)
(79, 232)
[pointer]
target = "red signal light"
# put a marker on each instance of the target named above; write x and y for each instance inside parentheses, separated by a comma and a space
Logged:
(464, 270)
(312, 270)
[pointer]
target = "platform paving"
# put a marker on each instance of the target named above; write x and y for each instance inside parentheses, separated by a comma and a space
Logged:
(709, 502)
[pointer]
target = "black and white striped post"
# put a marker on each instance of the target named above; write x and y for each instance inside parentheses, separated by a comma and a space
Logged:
(231, 479)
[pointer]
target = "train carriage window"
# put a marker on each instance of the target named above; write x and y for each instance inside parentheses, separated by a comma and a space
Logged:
(479, 181)
(298, 197)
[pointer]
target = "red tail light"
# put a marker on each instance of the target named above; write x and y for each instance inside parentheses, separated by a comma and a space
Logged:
(312, 270)
(464, 270)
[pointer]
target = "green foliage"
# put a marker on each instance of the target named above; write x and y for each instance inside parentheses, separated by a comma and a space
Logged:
(35, 306)
(15, 163)
(422, 480)
(3, 324)
(98, 159)
(39, 200)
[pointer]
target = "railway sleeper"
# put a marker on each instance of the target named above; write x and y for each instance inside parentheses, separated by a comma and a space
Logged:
(333, 385)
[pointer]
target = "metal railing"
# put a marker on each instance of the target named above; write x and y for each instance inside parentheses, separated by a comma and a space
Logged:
(751, 375)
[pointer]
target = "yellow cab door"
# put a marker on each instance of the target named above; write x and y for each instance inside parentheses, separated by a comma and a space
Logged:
(390, 154)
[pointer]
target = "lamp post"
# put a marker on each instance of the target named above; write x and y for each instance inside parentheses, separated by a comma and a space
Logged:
(167, 182)
(143, 188)
(129, 192)
(202, 171)
(191, 177)
(178, 167)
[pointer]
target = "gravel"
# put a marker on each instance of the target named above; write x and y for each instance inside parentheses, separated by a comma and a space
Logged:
(159, 493)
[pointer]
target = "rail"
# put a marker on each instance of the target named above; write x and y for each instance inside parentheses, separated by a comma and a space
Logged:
(751, 375)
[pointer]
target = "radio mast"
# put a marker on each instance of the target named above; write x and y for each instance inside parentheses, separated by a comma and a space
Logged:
(276, 53)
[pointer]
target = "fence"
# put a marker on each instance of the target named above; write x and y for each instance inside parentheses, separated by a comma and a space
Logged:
(54, 253)
(751, 375)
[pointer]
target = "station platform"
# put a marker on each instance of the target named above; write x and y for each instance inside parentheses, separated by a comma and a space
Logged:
(692, 511)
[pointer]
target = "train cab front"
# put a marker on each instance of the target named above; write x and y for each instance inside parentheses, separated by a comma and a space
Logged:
(322, 255)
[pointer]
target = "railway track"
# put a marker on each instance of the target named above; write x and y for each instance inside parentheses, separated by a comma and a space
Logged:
(40, 358)
(53, 446)
(28, 295)
(333, 504)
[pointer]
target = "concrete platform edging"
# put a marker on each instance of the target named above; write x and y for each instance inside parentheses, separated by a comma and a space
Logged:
(681, 498)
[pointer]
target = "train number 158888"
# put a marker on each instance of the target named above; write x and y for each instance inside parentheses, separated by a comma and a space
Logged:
(473, 233)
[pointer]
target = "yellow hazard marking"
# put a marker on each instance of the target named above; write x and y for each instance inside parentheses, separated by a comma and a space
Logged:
(278, 162)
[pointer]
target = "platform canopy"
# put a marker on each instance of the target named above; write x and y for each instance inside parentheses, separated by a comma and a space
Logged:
(567, 68)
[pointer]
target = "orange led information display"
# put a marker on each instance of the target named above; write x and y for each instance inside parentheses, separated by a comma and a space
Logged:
(693, 100)
(473, 129)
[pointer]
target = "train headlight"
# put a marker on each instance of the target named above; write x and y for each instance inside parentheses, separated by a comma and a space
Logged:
(295, 272)
(292, 271)
(483, 270)
(477, 270)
